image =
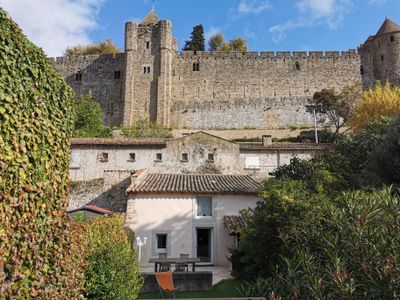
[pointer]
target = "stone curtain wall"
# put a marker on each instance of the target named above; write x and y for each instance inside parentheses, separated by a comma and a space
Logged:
(98, 76)
(266, 90)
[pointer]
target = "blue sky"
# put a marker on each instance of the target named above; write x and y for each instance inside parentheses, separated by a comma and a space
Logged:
(268, 25)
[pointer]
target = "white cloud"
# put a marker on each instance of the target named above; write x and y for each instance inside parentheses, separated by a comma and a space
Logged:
(313, 12)
(55, 25)
(253, 6)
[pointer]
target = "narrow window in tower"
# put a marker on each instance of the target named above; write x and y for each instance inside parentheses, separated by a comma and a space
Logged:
(78, 76)
(117, 74)
(147, 45)
(148, 70)
(392, 38)
(361, 70)
(144, 70)
(382, 58)
(297, 65)
(196, 67)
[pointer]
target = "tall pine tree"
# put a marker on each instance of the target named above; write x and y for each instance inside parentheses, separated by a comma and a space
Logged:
(197, 40)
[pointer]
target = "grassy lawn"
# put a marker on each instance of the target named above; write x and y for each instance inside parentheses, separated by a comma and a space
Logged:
(224, 289)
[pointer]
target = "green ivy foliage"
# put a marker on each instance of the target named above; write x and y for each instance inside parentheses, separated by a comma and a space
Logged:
(38, 246)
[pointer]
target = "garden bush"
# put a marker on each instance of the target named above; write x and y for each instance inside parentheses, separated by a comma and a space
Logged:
(39, 249)
(112, 270)
(357, 257)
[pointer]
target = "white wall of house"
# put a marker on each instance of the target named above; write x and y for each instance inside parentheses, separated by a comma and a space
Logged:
(259, 164)
(176, 216)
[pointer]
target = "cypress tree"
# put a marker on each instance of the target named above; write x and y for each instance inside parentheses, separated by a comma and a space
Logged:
(197, 40)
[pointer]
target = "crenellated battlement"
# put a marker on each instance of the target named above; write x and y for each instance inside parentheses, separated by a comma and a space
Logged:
(269, 54)
(68, 60)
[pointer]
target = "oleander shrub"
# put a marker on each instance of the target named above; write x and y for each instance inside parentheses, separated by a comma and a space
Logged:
(356, 255)
(38, 245)
(112, 270)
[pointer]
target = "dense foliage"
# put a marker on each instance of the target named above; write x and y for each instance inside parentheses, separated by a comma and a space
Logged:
(106, 47)
(89, 119)
(312, 238)
(197, 40)
(217, 43)
(352, 254)
(379, 101)
(112, 271)
(38, 246)
(147, 129)
(336, 107)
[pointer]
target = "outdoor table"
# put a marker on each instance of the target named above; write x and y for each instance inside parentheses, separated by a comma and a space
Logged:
(177, 260)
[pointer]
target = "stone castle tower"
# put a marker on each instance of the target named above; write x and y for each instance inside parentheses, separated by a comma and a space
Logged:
(380, 55)
(149, 51)
(205, 90)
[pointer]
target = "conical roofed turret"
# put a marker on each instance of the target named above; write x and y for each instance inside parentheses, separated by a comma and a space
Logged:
(387, 27)
(151, 18)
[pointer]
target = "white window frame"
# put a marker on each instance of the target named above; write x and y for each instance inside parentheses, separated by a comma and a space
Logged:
(211, 208)
(155, 249)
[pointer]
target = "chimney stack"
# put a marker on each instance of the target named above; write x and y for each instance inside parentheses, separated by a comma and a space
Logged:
(267, 140)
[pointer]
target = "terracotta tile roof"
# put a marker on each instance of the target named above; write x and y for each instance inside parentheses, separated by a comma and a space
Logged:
(284, 146)
(387, 27)
(234, 224)
(199, 184)
(117, 142)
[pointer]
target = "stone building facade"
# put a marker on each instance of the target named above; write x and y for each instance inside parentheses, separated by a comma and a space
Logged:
(100, 169)
(152, 80)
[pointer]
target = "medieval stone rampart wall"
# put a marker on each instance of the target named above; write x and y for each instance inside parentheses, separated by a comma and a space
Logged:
(99, 77)
(258, 90)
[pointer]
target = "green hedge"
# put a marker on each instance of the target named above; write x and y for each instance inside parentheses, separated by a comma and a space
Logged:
(37, 244)
(112, 271)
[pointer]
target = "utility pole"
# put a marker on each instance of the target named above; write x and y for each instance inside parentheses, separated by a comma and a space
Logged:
(314, 109)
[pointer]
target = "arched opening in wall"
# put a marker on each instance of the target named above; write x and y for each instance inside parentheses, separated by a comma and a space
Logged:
(148, 70)
(144, 70)
(297, 66)
(361, 70)
(392, 38)
(78, 76)
(196, 67)
(147, 45)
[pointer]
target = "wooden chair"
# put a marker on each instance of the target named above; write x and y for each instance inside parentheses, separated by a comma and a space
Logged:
(165, 283)
(163, 267)
(182, 267)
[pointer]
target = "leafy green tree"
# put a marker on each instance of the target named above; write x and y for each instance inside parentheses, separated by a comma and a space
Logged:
(216, 42)
(384, 161)
(336, 107)
(106, 47)
(89, 119)
(197, 40)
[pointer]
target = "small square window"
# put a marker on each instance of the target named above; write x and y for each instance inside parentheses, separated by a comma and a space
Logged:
(204, 206)
(132, 156)
(185, 157)
(161, 241)
(103, 157)
(158, 156)
(210, 157)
